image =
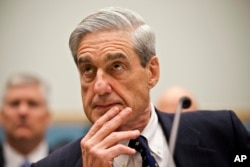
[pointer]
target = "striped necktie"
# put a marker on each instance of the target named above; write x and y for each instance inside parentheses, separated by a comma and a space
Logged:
(141, 146)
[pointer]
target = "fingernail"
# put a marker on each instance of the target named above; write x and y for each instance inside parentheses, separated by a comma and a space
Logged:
(128, 109)
(137, 133)
(115, 109)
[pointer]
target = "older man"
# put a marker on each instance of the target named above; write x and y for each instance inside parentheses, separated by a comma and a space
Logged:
(114, 51)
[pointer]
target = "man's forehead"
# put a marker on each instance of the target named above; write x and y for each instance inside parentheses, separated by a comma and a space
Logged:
(23, 86)
(24, 90)
(106, 58)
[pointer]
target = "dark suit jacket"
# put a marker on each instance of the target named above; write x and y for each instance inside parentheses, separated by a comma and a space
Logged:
(1, 156)
(205, 139)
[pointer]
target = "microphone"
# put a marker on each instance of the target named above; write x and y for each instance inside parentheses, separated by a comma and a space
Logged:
(184, 103)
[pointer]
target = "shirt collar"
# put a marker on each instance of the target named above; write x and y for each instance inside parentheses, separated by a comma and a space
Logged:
(14, 158)
(152, 131)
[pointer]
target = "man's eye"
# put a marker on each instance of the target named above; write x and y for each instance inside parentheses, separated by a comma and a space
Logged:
(33, 103)
(88, 70)
(117, 66)
(14, 103)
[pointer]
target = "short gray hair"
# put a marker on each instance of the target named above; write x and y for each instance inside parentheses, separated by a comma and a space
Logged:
(20, 79)
(117, 19)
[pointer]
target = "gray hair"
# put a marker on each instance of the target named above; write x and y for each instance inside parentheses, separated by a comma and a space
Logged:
(117, 19)
(20, 79)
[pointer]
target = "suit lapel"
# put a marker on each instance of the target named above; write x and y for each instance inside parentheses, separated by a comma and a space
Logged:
(186, 134)
(79, 162)
(187, 145)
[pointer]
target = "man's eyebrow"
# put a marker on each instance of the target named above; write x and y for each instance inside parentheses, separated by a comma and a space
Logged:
(84, 59)
(110, 57)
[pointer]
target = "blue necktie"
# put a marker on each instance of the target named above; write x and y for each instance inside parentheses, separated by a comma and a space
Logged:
(26, 163)
(140, 145)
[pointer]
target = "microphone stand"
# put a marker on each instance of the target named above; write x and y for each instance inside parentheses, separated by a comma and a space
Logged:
(184, 103)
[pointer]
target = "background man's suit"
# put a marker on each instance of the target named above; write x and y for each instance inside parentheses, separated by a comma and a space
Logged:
(205, 138)
(2, 161)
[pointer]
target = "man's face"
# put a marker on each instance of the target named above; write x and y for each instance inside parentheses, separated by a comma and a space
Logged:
(24, 113)
(111, 75)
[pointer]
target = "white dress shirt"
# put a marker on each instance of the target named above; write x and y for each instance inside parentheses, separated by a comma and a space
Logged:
(15, 159)
(156, 141)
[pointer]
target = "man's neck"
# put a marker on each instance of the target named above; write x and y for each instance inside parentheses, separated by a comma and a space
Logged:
(24, 146)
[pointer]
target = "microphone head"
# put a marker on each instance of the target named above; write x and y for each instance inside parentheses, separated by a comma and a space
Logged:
(186, 102)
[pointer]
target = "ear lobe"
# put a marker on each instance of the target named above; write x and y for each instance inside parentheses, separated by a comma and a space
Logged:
(1, 120)
(1, 116)
(154, 71)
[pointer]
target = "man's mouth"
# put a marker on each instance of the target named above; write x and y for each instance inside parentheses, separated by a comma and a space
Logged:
(105, 106)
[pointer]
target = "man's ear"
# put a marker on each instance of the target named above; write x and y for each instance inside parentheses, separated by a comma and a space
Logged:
(1, 115)
(49, 117)
(153, 71)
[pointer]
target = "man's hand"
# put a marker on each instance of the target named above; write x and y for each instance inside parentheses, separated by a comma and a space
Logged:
(101, 144)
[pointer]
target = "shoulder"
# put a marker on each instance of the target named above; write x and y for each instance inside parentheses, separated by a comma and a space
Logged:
(215, 120)
(219, 125)
(67, 155)
(206, 119)
(223, 126)
(203, 116)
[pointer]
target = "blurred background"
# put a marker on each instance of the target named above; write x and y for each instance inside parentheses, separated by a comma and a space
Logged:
(203, 45)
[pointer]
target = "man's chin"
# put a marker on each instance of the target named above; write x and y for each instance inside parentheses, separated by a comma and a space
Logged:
(23, 135)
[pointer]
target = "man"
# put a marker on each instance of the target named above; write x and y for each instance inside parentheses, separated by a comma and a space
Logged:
(170, 98)
(24, 117)
(114, 51)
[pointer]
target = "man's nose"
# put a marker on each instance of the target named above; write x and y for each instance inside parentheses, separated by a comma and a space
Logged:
(102, 85)
(23, 109)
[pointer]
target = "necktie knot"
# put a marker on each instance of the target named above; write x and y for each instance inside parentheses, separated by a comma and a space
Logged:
(140, 145)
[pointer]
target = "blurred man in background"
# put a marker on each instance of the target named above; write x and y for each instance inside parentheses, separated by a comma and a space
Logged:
(170, 98)
(25, 118)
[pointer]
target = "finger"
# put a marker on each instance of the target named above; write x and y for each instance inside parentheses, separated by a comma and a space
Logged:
(106, 157)
(88, 144)
(100, 151)
(111, 125)
(119, 149)
(116, 137)
(102, 120)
